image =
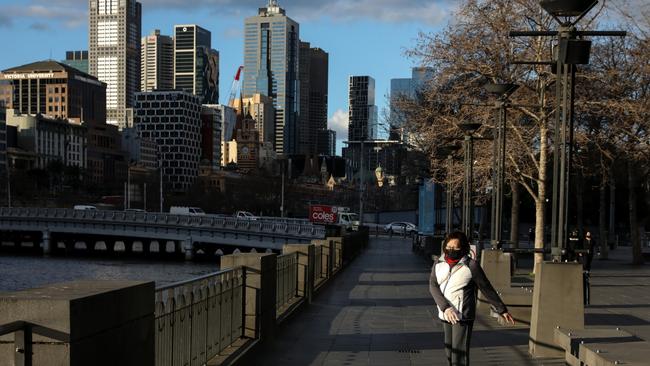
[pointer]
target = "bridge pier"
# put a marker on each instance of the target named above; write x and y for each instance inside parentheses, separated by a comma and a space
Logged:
(47, 250)
(187, 248)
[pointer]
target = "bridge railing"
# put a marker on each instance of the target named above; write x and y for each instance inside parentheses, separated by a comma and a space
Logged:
(286, 280)
(197, 320)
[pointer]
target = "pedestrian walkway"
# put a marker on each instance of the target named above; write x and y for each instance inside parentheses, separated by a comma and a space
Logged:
(379, 312)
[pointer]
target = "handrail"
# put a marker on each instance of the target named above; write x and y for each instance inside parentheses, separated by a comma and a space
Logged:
(23, 332)
(199, 318)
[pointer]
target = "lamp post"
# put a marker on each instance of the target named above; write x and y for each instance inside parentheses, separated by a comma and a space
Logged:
(468, 185)
(503, 92)
(571, 50)
(447, 152)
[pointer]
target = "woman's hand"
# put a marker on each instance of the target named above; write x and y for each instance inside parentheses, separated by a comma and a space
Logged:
(451, 315)
(508, 318)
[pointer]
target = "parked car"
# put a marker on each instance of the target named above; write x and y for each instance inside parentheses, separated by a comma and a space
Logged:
(245, 215)
(401, 228)
(194, 211)
(134, 210)
(85, 207)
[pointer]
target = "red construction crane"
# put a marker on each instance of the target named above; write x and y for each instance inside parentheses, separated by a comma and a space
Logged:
(235, 88)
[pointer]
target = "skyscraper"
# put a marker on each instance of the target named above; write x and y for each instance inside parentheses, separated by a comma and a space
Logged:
(314, 73)
(77, 59)
(196, 64)
(406, 88)
(157, 62)
(271, 68)
(114, 54)
(363, 114)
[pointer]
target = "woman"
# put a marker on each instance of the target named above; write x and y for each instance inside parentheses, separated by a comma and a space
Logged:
(453, 284)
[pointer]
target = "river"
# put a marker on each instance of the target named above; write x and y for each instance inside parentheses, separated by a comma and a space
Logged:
(23, 272)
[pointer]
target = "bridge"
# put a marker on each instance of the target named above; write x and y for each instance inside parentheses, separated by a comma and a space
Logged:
(57, 229)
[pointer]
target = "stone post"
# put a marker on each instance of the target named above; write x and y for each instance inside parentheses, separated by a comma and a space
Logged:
(496, 265)
(101, 323)
(188, 249)
(306, 257)
(47, 249)
(261, 275)
(557, 301)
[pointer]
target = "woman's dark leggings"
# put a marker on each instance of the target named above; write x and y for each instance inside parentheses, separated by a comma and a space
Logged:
(457, 339)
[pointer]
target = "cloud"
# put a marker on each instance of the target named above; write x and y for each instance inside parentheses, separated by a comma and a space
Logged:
(39, 26)
(339, 122)
(233, 33)
(74, 13)
(70, 14)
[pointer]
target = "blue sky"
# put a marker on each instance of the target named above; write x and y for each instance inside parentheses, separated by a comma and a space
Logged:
(362, 37)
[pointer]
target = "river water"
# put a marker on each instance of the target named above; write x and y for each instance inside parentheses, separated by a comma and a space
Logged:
(23, 272)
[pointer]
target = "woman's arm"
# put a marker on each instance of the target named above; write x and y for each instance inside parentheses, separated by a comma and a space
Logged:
(486, 288)
(434, 288)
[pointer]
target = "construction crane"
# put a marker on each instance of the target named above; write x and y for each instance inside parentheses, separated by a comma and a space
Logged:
(235, 88)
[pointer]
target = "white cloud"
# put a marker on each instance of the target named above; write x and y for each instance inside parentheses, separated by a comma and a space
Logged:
(339, 122)
(73, 13)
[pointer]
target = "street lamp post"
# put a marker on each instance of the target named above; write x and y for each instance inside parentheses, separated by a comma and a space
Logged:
(571, 50)
(468, 185)
(503, 91)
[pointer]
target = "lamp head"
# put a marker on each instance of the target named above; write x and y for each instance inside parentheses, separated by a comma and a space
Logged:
(567, 8)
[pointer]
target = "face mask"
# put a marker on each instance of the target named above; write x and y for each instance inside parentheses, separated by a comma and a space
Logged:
(453, 254)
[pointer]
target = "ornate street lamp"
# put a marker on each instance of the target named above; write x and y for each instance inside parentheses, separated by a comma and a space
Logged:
(571, 50)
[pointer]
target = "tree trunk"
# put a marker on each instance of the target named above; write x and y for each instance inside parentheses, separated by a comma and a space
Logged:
(580, 194)
(602, 217)
(514, 215)
(637, 255)
(540, 200)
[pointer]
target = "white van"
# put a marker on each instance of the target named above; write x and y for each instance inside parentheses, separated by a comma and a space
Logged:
(178, 210)
(85, 207)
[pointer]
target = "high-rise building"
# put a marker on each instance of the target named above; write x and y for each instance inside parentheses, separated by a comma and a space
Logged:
(271, 50)
(327, 142)
(314, 71)
(196, 64)
(260, 107)
(77, 59)
(211, 125)
(405, 89)
(3, 139)
(157, 69)
(115, 31)
(173, 120)
(54, 89)
(363, 114)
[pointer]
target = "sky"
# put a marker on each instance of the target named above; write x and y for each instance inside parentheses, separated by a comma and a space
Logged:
(362, 37)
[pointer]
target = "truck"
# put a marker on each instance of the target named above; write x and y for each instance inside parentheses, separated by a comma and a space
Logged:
(192, 211)
(333, 215)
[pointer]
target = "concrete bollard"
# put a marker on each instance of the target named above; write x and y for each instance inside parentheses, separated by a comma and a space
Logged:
(496, 265)
(557, 301)
(88, 323)
(306, 257)
(261, 272)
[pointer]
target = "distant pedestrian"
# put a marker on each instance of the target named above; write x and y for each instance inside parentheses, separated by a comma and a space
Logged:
(590, 246)
(453, 284)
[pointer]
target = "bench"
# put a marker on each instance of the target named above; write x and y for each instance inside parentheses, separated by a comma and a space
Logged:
(601, 346)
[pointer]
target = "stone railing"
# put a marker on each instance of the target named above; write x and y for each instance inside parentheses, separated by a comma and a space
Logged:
(216, 319)
(266, 225)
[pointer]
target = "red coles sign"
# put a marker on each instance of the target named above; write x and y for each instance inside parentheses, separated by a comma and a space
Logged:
(322, 214)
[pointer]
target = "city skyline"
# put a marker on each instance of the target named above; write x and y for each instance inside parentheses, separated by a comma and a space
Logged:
(343, 35)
